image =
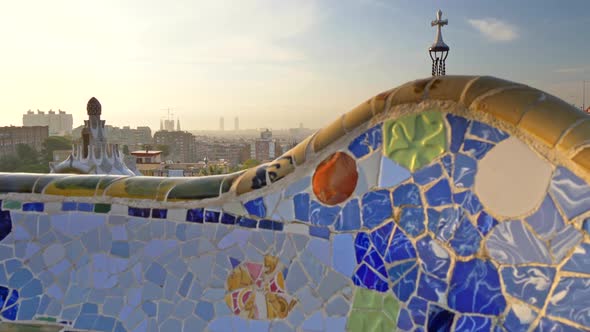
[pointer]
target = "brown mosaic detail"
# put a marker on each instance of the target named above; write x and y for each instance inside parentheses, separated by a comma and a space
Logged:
(254, 178)
(448, 87)
(328, 135)
(549, 119)
(279, 168)
(481, 86)
(508, 105)
(378, 102)
(575, 137)
(335, 179)
(582, 158)
(411, 92)
(299, 151)
(359, 115)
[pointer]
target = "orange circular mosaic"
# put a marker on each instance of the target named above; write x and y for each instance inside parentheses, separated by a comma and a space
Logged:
(335, 178)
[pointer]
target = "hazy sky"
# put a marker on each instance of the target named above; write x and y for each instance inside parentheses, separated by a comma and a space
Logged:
(273, 63)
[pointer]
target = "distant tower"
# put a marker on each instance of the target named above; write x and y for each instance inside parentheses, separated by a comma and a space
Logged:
(221, 127)
(439, 50)
(161, 124)
(177, 124)
(236, 124)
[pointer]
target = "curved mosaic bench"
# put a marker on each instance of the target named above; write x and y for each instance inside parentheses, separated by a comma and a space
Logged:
(452, 203)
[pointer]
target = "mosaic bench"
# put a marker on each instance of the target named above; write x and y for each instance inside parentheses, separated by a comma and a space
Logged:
(447, 204)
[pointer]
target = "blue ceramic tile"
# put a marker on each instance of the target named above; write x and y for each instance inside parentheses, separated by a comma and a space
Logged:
(418, 307)
(464, 171)
(367, 278)
(412, 221)
(435, 259)
(205, 310)
(571, 300)
(270, 225)
(342, 252)
(195, 215)
(407, 194)
(485, 223)
(439, 319)
(447, 162)
(404, 321)
(469, 201)
(86, 207)
(396, 272)
(571, 192)
(563, 241)
(546, 221)
(380, 237)
(466, 239)
(475, 288)
(520, 319)
(32, 288)
(376, 208)
(139, 212)
(487, 132)
(439, 194)
(256, 207)
(159, 213)
(185, 284)
(530, 284)
(392, 174)
(120, 249)
(33, 207)
(580, 260)
(247, 222)
(400, 248)
(406, 285)
(301, 202)
(374, 260)
(431, 288)
(321, 232)
(445, 223)
(156, 274)
(428, 174)
(212, 216)
(477, 149)
(28, 308)
(19, 278)
(5, 224)
(350, 217)
(549, 325)
(585, 226)
(228, 219)
(68, 206)
(314, 323)
(474, 324)
(362, 242)
(512, 243)
(366, 142)
(458, 128)
(323, 215)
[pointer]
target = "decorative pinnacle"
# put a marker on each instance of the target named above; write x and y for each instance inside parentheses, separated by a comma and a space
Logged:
(439, 44)
(93, 107)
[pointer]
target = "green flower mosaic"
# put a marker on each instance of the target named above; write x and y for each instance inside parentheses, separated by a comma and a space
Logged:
(414, 141)
(373, 311)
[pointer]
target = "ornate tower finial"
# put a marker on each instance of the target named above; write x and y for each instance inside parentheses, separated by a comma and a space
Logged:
(438, 50)
(93, 107)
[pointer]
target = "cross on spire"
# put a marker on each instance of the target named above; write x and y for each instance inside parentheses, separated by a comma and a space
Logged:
(438, 50)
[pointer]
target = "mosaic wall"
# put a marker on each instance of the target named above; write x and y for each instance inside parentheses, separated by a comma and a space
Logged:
(448, 204)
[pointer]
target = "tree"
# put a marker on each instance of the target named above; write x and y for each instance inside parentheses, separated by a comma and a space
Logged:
(53, 143)
(249, 164)
(164, 148)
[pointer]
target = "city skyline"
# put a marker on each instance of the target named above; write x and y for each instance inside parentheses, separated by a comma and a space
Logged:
(206, 60)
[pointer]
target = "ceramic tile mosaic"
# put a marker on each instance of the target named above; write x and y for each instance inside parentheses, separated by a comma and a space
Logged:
(440, 217)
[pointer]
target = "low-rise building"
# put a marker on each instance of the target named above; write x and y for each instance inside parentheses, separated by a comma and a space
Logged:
(11, 136)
